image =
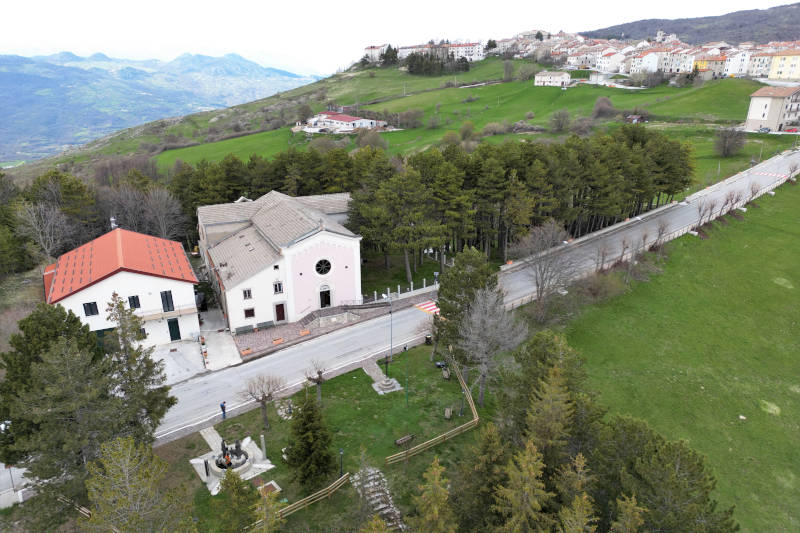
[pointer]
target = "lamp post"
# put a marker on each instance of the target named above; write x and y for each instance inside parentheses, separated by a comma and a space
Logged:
(388, 357)
(405, 353)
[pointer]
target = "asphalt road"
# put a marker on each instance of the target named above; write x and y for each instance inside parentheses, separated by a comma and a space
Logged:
(199, 397)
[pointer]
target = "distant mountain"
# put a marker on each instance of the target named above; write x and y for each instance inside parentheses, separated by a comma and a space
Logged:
(780, 23)
(53, 102)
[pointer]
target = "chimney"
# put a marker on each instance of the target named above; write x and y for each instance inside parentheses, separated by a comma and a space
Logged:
(113, 223)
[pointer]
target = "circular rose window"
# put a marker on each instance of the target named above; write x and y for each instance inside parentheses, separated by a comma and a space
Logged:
(323, 267)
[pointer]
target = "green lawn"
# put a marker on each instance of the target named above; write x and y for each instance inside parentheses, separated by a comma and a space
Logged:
(375, 276)
(358, 418)
(713, 337)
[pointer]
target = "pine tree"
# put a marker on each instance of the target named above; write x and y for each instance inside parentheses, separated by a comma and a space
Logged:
(477, 480)
(573, 479)
(629, 516)
(550, 418)
(522, 500)
(269, 512)
(42, 328)
(238, 509)
(139, 378)
(70, 402)
(375, 525)
(578, 517)
(309, 451)
(434, 514)
(123, 489)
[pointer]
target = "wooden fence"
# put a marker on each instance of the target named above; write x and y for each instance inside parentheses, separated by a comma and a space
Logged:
(404, 455)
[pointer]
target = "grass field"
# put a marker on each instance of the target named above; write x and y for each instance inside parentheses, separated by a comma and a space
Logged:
(711, 338)
(359, 419)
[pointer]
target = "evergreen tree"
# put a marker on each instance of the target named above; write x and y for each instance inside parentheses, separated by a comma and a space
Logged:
(123, 488)
(434, 514)
(139, 379)
(269, 511)
(375, 525)
(522, 500)
(43, 327)
(578, 517)
(457, 287)
(675, 487)
(309, 451)
(70, 402)
(573, 479)
(238, 509)
(477, 481)
(549, 420)
(629, 516)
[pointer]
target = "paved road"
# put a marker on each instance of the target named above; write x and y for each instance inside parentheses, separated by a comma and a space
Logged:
(199, 397)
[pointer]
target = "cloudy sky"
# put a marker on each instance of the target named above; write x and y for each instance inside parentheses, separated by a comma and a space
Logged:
(306, 36)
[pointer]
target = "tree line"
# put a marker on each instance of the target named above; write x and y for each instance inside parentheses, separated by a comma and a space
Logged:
(58, 212)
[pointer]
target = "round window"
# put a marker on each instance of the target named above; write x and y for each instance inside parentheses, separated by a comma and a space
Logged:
(323, 267)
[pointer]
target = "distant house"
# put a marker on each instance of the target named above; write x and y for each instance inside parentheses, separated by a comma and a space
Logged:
(151, 275)
(552, 79)
(773, 108)
(713, 64)
(341, 123)
(374, 52)
(276, 259)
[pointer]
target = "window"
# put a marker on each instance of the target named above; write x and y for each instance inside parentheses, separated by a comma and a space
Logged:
(275, 267)
(90, 309)
(323, 267)
(133, 302)
(166, 301)
(247, 294)
(278, 287)
(249, 313)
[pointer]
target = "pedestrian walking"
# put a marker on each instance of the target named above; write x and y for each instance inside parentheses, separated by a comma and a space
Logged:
(222, 407)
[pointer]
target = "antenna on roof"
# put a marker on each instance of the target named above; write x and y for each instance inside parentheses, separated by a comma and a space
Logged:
(113, 222)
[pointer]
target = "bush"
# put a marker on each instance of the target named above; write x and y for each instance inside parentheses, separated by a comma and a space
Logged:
(581, 126)
(729, 141)
(371, 138)
(560, 121)
(528, 72)
(603, 108)
(529, 115)
(468, 99)
(495, 128)
(433, 122)
(451, 137)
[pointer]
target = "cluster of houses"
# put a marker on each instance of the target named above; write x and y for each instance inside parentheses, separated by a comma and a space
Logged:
(271, 261)
(471, 51)
(664, 53)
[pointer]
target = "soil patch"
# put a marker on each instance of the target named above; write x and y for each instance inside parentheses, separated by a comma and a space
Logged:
(736, 214)
(702, 234)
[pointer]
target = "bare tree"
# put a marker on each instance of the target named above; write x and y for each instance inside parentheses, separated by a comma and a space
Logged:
(314, 375)
(729, 141)
(486, 331)
(559, 121)
(263, 389)
(549, 266)
(508, 70)
(163, 214)
(45, 224)
(793, 168)
(710, 210)
(126, 205)
(600, 257)
(661, 233)
(753, 191)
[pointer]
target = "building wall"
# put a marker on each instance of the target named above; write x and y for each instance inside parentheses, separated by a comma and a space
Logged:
(148, 289)
(263, 297)
(344, 279)
(763, 112)
(785, 67)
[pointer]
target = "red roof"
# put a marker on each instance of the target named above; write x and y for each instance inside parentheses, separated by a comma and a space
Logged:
(116, 251)
(341, 117)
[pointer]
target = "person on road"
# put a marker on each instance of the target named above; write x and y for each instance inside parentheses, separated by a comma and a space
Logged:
(222, 408)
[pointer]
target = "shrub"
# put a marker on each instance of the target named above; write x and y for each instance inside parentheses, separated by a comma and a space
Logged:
(468, 99)
(581, 126)
(495, 128)
(529, 115)
(603, 108)
(560, 121)
(528, 72)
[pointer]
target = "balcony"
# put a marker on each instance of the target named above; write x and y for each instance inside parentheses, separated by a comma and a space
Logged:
(159, 314)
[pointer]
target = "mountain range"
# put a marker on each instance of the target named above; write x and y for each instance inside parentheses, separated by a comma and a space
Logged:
(780, 23)
(51, 103)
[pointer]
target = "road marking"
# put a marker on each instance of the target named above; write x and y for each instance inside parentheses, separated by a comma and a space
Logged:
(428, 307)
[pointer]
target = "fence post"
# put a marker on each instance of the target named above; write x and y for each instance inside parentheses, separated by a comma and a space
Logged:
(412, 285)
(388, 293)
(423, 283)
(398, 289)
(374, 296)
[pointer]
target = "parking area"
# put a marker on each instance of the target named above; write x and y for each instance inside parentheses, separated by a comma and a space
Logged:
(184, 359)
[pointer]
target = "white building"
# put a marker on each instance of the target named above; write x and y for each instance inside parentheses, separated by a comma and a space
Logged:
(773, 108)
(610, 62)
(374, 52)
(276, 259)
(340, 122)
(760, 64)
(469, 51)
(552, 79)
(151, 275)
(736, 63)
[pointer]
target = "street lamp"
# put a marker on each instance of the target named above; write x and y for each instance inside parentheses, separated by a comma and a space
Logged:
(341, 462)
(405, 353)
(388, 357)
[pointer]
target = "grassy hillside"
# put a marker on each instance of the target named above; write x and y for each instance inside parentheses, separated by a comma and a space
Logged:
(711, 338)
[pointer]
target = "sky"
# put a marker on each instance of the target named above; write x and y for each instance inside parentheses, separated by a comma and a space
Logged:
(306, 36)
